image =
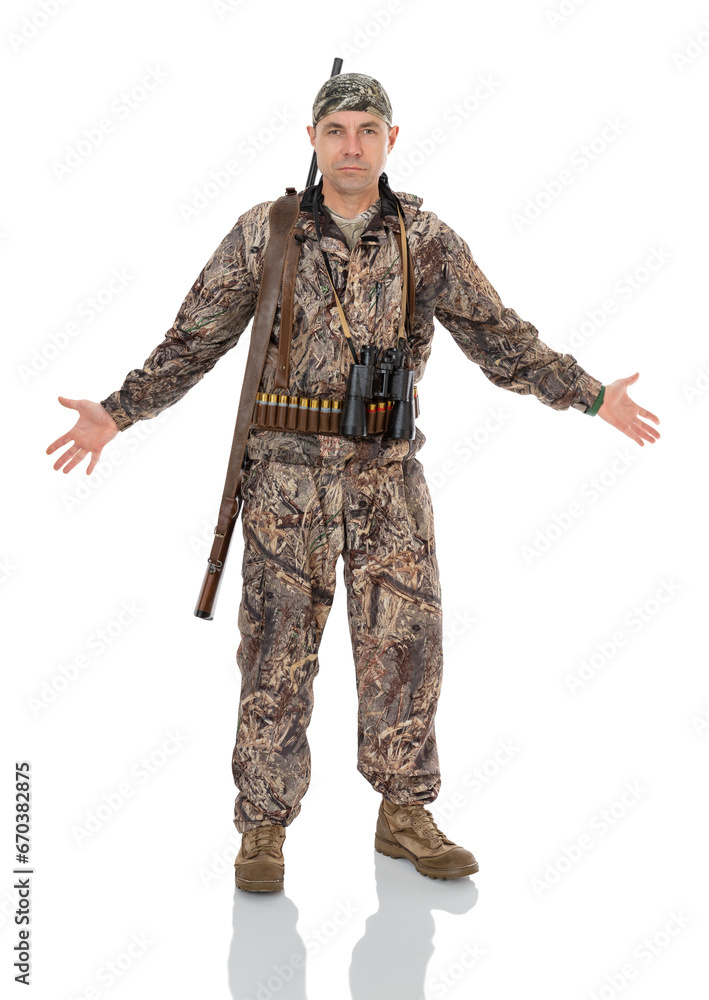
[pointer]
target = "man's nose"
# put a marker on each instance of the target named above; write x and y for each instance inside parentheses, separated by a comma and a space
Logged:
(352, 145)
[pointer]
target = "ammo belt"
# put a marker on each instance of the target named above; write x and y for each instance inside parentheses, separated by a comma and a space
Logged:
(317, 415)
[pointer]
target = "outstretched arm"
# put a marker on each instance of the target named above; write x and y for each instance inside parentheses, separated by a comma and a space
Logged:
(210, 322)
(508, 348)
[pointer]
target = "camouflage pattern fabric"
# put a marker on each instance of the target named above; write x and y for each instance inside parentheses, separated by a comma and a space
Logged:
(352, 229)
(450, 287)
(352, 92)
(366, 500)
(309, 498)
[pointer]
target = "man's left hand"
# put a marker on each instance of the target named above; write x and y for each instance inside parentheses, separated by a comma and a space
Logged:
(619, 409)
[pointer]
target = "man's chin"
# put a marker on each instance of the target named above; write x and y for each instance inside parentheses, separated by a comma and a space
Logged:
(356, 175)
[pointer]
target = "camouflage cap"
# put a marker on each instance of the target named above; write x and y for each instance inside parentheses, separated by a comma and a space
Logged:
(352, 92)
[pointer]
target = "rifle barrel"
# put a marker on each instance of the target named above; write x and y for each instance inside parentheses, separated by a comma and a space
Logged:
(336, 67)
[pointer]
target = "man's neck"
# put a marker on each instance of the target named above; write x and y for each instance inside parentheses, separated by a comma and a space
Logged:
(349, 205)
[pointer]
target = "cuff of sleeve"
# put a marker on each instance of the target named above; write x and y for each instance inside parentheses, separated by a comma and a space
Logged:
(593, 410)
(113, 406)
(586, 390)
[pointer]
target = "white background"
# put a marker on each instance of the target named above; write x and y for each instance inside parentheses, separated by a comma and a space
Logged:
(564, 899)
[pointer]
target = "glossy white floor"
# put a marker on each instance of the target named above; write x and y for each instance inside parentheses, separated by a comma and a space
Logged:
(574, 712)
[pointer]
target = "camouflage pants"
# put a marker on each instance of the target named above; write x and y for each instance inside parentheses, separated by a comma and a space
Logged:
(309, 498)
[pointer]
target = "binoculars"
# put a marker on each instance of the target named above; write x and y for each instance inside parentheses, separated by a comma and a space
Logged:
(380, 378)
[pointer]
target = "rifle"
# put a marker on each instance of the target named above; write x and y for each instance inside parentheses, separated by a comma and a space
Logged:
(282, 218)
(336, 67)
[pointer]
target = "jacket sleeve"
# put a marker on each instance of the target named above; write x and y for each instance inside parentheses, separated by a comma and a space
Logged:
(210, 321)
(507, 348)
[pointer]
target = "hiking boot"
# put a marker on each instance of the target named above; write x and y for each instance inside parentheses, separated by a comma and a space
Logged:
(410, 832)
(259, 865)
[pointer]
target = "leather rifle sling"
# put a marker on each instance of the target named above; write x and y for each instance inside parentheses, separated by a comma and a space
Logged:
(290, 270)
(282, 218)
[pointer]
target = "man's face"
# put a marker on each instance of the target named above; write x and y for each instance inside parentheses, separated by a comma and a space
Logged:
(352, 148)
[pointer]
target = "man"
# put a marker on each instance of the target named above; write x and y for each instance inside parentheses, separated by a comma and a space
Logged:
(311, 497)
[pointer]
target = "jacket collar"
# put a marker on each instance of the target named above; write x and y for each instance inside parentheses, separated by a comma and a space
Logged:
(387, 214)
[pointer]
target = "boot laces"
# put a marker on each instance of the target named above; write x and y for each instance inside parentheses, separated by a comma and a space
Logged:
(425, 826)
(264, 840)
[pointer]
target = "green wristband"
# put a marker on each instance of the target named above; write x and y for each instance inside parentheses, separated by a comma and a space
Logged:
(596, 406)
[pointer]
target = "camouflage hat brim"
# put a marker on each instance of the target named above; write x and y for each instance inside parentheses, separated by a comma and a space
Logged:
(352, 92)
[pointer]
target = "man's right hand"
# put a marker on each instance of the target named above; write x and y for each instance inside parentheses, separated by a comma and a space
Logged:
(91, 433)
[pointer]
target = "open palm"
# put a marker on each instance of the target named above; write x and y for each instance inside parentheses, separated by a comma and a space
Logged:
(90, 434)
(624, 413)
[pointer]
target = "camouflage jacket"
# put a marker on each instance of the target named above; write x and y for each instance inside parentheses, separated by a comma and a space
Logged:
(449, 286)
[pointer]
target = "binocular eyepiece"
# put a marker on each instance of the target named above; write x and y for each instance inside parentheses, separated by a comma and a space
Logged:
(380, 378)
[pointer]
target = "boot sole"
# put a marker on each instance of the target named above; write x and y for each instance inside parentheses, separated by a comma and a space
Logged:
(397, 851)
(272, 885)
